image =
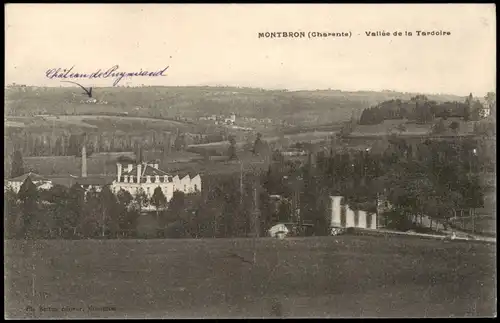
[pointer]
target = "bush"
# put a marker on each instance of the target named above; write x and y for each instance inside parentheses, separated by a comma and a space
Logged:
(398, 221)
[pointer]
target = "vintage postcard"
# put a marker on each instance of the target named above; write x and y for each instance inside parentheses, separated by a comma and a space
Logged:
(250, 161)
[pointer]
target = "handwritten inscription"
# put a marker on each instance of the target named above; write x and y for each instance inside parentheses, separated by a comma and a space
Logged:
(113, 73)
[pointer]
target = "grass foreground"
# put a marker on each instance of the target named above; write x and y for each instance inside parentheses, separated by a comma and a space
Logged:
(345, 276)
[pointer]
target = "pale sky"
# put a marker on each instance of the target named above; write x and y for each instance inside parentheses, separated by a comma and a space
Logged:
(218, 44)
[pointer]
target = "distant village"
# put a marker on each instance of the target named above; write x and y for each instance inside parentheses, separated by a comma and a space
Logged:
(233, 122)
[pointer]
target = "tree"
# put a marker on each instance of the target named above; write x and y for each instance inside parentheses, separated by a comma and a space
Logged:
(57, 197)
(17, 168)
(12, 214)
(469, 99)
(467, 111)
(158, 200)
(423, 111)
(265, 212)
(476, 111)
(455, 126)
(258, 145)
(180, 142)
(75, 144)
(273, 180)
(141, 199)
(109, 217)
(75, 208)
(89, 226)
(28, 195)
(284, 211)
(232, 148)
(128, 213)
(124, 198)
(175, 211)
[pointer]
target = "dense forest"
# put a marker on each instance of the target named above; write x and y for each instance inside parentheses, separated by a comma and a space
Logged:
(421, 110)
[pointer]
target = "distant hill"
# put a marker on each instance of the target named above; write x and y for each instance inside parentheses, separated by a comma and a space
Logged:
(295, 107)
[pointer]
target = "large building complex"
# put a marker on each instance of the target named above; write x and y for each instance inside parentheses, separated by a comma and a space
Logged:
(147, 177)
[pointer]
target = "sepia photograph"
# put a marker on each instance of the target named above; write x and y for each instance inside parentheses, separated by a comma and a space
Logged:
(243, 161)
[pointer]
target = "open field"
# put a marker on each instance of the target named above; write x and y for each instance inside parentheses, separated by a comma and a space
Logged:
(345, 276)
(98, 123)
(411, 128)
(222, 146)
(175, 162)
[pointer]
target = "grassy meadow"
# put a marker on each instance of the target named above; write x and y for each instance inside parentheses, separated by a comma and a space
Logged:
(346, 276)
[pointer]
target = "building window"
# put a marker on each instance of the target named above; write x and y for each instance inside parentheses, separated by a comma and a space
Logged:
(356, 218)
(184, 187)
(195, 187)
(147, 190)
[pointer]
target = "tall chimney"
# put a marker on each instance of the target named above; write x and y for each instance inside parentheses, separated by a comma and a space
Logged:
(139, 170)
(119, 171)
(84, 162)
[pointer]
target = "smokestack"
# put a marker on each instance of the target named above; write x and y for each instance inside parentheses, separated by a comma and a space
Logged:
(84, 162)
(119, 171)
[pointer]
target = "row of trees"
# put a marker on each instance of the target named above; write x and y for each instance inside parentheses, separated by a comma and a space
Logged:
(230, 207)
(422, 110)
(431, 178)
(66, 213)
(60, 143)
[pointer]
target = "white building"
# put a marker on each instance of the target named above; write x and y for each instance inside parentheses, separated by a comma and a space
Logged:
(40, 182)
(342, 216)
(278, 229)
(148, 177)
(231, 119)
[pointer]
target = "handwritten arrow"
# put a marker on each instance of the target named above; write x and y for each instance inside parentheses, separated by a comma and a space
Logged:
(88, 92)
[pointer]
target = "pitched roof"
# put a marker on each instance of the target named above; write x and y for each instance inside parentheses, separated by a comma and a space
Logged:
(151, 171)
(69, 181)
(94, 180)
(147, 170)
